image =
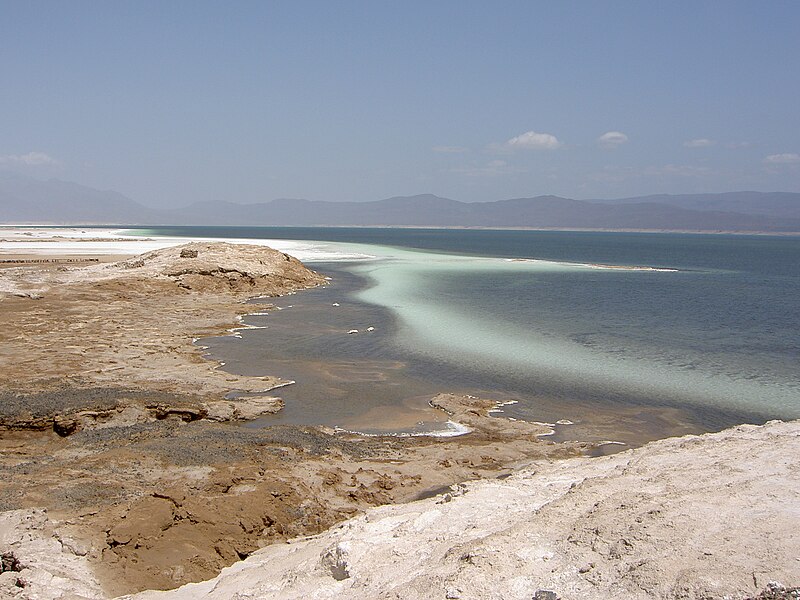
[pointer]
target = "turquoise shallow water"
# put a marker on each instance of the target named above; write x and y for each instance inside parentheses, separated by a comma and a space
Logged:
(575, 330)
(713, 328)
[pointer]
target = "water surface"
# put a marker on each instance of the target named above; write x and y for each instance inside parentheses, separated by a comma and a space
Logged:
(707, 338)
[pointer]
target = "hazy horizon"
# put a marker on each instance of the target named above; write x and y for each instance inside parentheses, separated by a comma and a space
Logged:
(6, 174)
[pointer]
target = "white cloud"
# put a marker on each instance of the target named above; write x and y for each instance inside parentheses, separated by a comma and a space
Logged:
(787, 158)
(450, 149)
(531, 140)
(699, 143)
(31, 159)
(612, 139)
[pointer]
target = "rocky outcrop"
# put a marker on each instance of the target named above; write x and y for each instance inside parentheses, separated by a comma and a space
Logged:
(707, 517)
(112, 407)
(222, 267)
(242, 409)
(710, 516)
(123, 332)
(474, 413)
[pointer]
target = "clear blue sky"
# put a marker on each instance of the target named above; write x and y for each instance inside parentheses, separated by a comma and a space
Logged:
(172, 102)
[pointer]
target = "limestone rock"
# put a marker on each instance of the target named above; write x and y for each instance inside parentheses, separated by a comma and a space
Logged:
(242, 409)
(38, 565)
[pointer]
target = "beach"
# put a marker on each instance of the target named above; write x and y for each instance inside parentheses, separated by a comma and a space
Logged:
(114, 422)
(131, 460)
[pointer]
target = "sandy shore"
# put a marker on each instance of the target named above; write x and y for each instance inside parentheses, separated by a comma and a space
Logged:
(113, 423)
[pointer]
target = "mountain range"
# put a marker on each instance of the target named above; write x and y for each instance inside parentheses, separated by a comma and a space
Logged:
(26, 200)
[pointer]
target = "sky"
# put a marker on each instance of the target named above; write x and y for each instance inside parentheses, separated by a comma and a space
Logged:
(175, 102)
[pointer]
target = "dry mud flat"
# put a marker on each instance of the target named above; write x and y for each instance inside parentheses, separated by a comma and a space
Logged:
(119, 450)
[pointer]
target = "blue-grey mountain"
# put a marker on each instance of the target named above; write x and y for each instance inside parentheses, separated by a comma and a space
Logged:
(25, 200)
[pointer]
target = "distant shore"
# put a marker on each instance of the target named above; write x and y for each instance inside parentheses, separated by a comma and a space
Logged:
(4, 226)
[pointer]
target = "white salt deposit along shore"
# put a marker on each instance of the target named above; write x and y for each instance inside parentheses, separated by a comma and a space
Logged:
(51, 241)
(711, 516)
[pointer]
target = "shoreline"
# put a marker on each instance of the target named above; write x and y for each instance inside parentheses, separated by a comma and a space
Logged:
(243, 308)
(117, 226)
(393, 386)
(130, 470)
(113, 410)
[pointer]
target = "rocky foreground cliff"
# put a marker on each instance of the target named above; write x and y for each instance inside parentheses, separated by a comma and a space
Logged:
(699, 517)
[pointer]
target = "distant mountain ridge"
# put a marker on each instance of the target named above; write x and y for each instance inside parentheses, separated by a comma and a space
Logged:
(24, 200)
(777, 204)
